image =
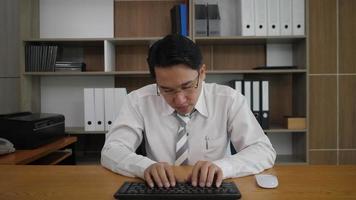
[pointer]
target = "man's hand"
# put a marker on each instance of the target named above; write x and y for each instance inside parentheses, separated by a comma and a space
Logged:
(204, 173)
(161, 174)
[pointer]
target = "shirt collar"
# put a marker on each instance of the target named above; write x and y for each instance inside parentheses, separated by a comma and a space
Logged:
(200, 106)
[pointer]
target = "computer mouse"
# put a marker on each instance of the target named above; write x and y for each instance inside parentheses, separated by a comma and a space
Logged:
(266, 180)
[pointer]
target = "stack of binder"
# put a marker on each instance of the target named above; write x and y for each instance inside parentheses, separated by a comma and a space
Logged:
(207, 20)
(271, 17)
(101, 107)
(257, 96)
(179, 19)
(40, 58)
(64, 66)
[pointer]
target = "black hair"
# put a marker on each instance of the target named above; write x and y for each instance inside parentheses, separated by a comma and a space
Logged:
(173, 50)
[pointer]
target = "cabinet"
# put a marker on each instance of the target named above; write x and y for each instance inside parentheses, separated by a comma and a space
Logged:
(138, 23)
(332, 79)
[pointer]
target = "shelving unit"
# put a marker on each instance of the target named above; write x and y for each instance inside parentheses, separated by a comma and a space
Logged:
(138, 23)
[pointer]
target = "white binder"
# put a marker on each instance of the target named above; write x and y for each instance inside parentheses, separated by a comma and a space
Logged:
(261, 17)
(245, 18)
(273, 18)
(265, 105)
(201, 19)
(247, 92)
(109, 56)
(285, 19)
(119, 98)
(298, 17)
(256, 99)
(265, 96)
(109, 107)
(238, 86)
(99, 109)
(89, 111)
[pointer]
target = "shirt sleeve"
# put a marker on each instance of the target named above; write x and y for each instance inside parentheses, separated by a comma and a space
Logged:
(126, 134)
(254, 150)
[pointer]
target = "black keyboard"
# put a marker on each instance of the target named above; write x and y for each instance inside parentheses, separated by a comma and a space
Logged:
(134, 190)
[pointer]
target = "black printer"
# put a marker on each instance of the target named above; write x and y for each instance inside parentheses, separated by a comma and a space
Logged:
(28, 130)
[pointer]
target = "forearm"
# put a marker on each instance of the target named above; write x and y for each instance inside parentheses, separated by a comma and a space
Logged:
(250, 160)
(120, 159)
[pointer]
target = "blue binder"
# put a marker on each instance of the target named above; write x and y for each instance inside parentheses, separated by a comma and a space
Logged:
(183, 19)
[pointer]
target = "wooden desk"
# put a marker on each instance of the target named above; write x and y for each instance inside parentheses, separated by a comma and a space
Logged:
(95, 182)
(42, 154)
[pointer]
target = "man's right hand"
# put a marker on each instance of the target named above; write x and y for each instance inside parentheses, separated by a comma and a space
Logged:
(161, 174)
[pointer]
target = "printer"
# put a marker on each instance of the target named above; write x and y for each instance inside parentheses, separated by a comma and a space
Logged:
(26, 130)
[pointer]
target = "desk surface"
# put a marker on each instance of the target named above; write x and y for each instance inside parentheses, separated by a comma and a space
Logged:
(95, 182)
(26, 156)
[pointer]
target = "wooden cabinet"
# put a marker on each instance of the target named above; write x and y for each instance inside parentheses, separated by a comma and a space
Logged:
(138, 23)
(332, 82)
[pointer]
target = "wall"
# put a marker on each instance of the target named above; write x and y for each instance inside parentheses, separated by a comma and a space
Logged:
(9, 56)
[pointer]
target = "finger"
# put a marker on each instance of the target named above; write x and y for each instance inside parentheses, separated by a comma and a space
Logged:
(156, 177)
(170, 175)
(189, 178)
(219, 177)
(211, 173)
(148, 179)
(195, 173)
(162, 174)
(203, 174)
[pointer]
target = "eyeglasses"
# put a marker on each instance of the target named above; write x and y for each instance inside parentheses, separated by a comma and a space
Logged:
(186, 88)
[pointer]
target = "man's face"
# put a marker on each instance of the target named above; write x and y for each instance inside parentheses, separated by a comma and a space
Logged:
(180, 86)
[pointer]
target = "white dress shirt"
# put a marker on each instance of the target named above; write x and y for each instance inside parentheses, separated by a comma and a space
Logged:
(223, 116)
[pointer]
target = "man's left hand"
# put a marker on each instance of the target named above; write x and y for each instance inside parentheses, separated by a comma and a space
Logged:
(204, 173)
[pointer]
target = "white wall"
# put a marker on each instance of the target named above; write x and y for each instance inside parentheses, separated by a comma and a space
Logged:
(76, 18)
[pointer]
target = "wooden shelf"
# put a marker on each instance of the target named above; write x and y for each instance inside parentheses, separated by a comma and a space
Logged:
(124, 73)
(253, 71)
(284, 130)
(53, 158)
(248, 39)
(86, 73)
(226, 57)
(27, 156)
(80, 130)
(134, 41)
(81, 42)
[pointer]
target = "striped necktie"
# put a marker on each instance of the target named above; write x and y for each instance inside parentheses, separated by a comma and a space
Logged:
(182, 140)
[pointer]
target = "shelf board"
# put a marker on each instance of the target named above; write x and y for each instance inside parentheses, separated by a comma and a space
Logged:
(96, 41)
(199, 40)
(264, 71)
(284, 130)
(69, 41)
(134, 41)
(86, 73)
(66, 39)
(80, 130)
(53, 158)
(133, 73)
(248, 39)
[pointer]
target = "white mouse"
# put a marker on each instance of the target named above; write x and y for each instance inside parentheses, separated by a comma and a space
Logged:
(266, 180)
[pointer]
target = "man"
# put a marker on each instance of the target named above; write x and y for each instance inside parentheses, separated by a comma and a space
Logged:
(184, 120)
